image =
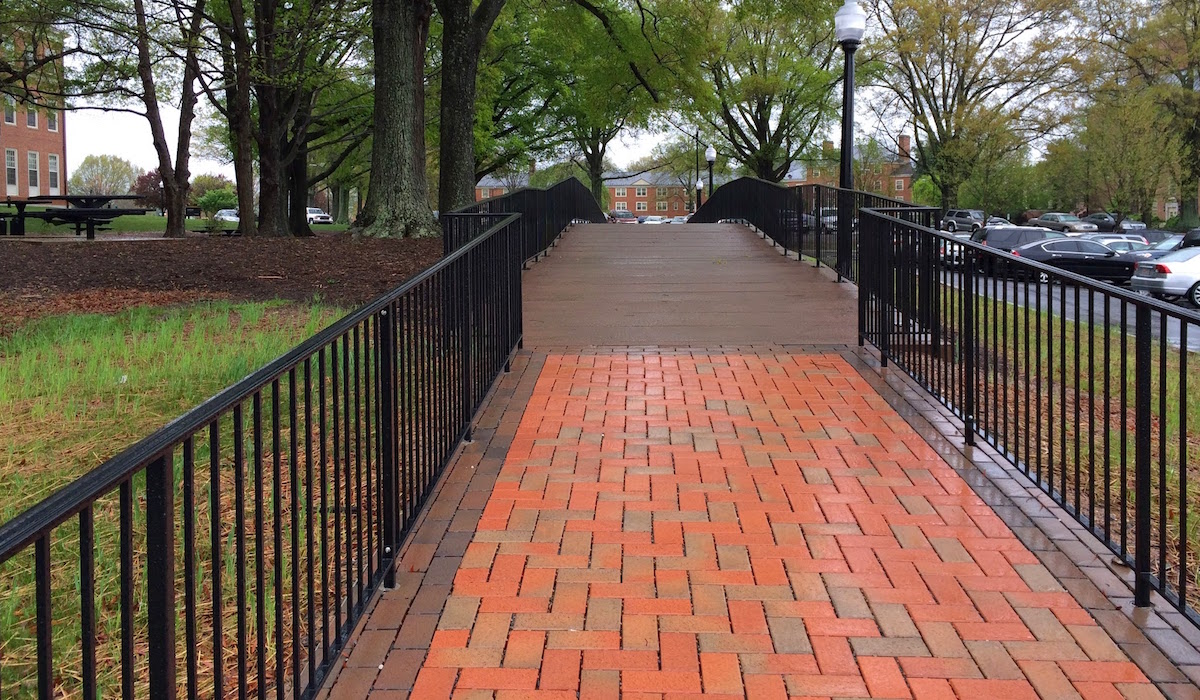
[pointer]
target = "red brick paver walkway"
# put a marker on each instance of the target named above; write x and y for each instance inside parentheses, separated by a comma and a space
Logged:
(732, 525)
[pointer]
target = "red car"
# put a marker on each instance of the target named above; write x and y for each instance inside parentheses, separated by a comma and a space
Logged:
(622, 217)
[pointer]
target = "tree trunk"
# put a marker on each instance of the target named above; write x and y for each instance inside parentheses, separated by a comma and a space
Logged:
(241, 118)
(460, 64)
(397, 202)
(298, 193)
(464, 30)
(175, 176)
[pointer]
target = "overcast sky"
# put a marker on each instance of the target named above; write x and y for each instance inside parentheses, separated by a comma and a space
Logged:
(128, 136)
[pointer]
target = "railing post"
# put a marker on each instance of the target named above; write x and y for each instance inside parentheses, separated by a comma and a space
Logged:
(818, 224)
(843, 235)
(464, 334)
(160, 575)
(865, 240)
(1141, 478)
(389, 521)
(968, 349)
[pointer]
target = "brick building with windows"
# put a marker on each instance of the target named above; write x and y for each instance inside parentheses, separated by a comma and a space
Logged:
(647, 194)
(891, 178)
(34, 143)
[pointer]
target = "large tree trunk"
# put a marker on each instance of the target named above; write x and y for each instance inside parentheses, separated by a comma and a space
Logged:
(397, 202)
(463, 34)
(241, 118)
(460, 65)
(298, 192)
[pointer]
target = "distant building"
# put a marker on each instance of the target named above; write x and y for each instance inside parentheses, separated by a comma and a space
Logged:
(891, 178)
(491, 186)
(34, 142)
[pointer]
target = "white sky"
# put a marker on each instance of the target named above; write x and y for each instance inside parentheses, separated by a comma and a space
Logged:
(128, 136)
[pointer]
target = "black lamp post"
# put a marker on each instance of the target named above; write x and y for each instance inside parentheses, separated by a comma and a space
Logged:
(711, 155)
(849, 23)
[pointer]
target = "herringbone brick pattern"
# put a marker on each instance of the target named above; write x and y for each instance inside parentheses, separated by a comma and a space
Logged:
(666, 526)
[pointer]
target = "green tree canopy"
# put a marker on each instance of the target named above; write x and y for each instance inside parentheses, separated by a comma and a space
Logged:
(103, 174)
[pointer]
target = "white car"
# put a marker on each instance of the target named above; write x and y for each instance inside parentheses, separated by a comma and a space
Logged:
(229, 216)
(1175, 274)
(655, 220)
(679, 220)
(318, 216)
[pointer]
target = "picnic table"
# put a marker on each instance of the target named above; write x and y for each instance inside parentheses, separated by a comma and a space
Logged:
(86, 212)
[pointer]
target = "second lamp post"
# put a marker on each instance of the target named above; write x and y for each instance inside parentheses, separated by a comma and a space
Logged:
(849, 24)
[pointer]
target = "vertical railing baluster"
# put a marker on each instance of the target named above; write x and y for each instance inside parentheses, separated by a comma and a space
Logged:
(45, 628)
(389, 535)
(1142, 421)
(160, 575)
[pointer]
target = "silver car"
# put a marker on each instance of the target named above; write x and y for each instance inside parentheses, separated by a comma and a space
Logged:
(1175, 274)
(1067, 223)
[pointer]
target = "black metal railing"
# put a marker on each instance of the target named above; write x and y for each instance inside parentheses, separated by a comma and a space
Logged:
(231, 553)
(1088, 388)
(808, 219)
(544, 214)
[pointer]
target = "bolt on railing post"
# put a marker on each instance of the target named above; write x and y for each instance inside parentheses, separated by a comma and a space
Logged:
(160, 576)
(389, 518)
(968, 349)
(1141, 479)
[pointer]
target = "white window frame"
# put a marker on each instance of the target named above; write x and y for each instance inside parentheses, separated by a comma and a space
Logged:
(33, 167)
(12, 175)
(661, 206)
(52, 121)
(641, 206)
(676, 205)
(899, 184)
(816, 173)
(10, 111)
(31, 118)
(620, 192)
(879, 185)
(53, 174)
(620, 206)
(639, 192)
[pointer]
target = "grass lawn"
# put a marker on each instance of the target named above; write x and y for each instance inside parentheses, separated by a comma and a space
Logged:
(77, 389)
(144, 223)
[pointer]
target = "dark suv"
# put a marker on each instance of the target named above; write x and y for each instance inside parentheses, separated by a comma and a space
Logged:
(1007, 239)
(963, 220)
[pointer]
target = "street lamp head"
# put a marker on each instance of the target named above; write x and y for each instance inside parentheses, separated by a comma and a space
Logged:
(710, 154)
(850, 23)
(699, 185)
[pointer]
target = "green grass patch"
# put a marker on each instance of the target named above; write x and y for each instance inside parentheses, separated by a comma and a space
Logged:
(142, 223)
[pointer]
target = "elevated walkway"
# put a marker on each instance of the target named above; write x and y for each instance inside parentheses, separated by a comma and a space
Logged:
(693, 484)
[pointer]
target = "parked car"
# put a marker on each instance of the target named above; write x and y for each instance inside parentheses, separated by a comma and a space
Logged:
(1107, 222)
(1120, 242)
(997, 221)
(829, 219)
(227, 216)
(1154, 236)
(1176, 274)
(655, 220)
(620, 216)
(642, 219)
(679, 220)
(317, 216)
(1009, 238)
(952, 254)
(1082, 257)
(1067, 223)
(1158, 250)
(963, 220)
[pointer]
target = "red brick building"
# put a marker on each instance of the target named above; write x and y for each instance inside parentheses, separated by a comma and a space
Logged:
(648, 194)
(34, 143)
(891, 178)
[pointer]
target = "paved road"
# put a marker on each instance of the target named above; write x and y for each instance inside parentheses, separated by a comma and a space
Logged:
(1088, 309)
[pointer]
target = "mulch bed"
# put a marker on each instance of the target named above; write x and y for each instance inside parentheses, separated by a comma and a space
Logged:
(37, 279)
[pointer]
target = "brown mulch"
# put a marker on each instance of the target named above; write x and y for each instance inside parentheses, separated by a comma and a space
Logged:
(45, 278)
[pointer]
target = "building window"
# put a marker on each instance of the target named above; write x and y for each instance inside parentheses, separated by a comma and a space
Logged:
(641, 206)
(816, 173)
(879, 185)
(620, 206)
(640, 192)
(676, 206)
(620, 192)
(899, 184)
(661, 206)
(52, 172)
(10, 110)
(878, 168)
(10, 169)
(52, 121)
(33, 170)
(31, 118)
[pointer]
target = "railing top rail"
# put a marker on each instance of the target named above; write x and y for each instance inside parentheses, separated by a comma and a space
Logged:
(24, 529)
(1074, 278)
